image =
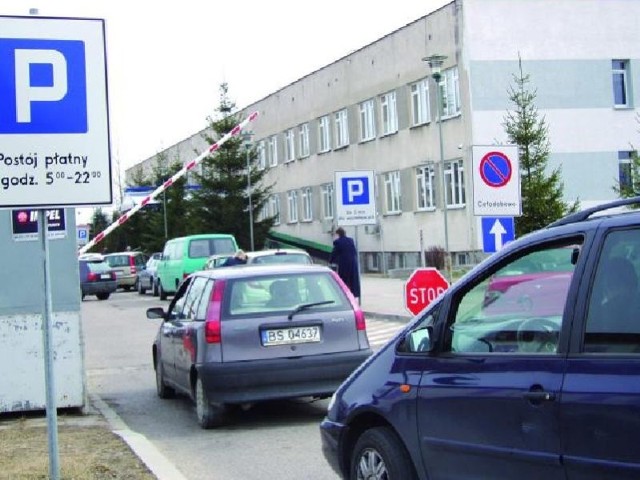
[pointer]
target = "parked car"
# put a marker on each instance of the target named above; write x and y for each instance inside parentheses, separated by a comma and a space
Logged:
(185, 255)
(215, 261)
(280, 255)
(541, 381)
(96, 277)
(235, 336)
(264, 257)
(147, 276)
(126, 266)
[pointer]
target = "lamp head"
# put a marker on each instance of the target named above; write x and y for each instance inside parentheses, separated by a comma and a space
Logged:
(246, 136)
(435, 63)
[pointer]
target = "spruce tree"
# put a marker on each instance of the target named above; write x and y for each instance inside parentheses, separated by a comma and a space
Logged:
(541, 188)
(627, 185)
(99, 222)
(221, 204)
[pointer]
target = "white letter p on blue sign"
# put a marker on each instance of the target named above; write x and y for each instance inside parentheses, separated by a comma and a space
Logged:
(43, 86)
(26, 92)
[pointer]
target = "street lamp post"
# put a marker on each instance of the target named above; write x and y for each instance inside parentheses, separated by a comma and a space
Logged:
(246, 136)
(435, 63)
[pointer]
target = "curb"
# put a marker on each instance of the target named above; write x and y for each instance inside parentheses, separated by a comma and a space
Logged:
(154, 460)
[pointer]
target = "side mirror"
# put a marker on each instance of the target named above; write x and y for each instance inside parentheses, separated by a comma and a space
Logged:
(155, 312)
(418, 341)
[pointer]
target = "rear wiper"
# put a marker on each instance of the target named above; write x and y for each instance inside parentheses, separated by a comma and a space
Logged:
(306, 306)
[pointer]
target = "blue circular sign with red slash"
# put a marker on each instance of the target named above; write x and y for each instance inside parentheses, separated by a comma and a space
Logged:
(495, 169)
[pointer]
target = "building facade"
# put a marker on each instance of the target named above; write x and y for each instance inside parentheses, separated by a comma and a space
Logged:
(376, 110)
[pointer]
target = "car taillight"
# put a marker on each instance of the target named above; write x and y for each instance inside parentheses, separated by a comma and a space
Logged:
(92, 277)
(212, 326)
(361, 324)
(132, 265)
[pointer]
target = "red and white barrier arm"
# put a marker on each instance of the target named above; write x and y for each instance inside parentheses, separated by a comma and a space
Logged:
(188, 166)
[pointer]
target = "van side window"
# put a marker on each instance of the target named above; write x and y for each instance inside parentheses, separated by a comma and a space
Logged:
(166, 253)
(519, 307)
(613, 317)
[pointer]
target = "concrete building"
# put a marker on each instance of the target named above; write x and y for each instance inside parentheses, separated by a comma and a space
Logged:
(375, 109)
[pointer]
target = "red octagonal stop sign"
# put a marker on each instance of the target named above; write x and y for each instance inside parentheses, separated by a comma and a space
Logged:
(423, 287)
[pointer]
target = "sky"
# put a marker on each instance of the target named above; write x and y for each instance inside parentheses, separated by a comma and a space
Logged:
(167, 60)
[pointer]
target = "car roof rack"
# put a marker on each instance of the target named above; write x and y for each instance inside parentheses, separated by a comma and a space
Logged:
(584, 214)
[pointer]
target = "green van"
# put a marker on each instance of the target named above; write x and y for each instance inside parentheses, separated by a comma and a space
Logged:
(183, 256)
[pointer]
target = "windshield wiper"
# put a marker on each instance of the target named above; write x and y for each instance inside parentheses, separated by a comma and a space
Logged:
(306, 306)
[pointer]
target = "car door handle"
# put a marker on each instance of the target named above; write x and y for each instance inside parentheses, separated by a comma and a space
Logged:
(539, 396)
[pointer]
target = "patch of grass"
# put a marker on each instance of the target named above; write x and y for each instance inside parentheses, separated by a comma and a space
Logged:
(84, 452)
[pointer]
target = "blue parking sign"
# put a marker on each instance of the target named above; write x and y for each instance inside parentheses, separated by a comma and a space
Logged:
(355, 198)
(355, 190)
(43, 87)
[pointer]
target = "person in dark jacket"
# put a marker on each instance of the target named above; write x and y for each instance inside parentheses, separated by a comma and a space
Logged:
(345, 256)
(240, 258)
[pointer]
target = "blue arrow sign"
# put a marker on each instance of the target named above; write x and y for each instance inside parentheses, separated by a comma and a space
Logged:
(496, 232)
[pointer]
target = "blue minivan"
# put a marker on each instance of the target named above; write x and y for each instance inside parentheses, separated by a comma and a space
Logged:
(527, 368)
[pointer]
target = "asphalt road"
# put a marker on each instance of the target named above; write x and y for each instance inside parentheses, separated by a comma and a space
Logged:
(271, 440)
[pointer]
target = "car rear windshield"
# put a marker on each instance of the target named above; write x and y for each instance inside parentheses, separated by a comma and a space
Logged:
(98, 267)
(283, 258)
(205, 247)
(118, 260)
(265, 295)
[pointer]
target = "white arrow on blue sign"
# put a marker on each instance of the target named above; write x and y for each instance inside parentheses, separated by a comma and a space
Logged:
(496, 232)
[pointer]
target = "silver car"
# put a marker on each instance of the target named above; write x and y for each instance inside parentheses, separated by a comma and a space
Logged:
(235, 336)
(148, 276)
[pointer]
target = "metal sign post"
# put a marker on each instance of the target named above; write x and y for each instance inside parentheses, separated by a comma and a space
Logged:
(47, 332)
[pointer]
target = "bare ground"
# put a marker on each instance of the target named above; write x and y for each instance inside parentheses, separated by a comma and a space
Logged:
(87, 449)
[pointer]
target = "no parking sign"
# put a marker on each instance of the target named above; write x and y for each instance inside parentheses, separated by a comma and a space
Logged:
(496, 181)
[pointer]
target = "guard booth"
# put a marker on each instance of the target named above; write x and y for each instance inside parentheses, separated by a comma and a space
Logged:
(22, 309)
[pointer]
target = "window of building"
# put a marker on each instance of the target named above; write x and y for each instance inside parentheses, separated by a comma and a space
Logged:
(392, 191)
(327, 201)
(342, 128)
(620, 87)
(367, 121)
(292, 204)
(323, 134)
(454, 183)
(307, 211)
(272, 150)
(420, 112)
(425, 183)
(303, 140)
(450, 89)
(274, 208)
(289, 145)
(625, 169)
(388, 113)
(262, 155)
